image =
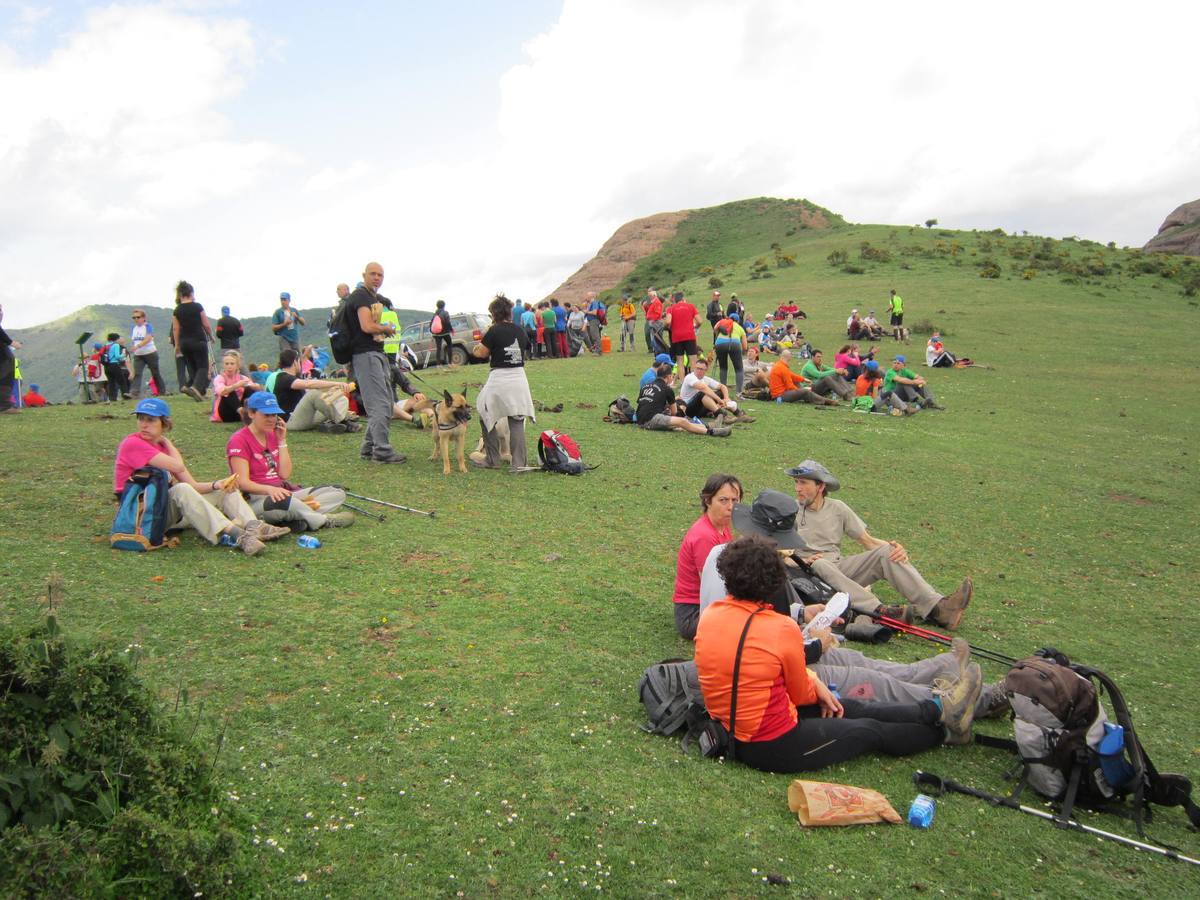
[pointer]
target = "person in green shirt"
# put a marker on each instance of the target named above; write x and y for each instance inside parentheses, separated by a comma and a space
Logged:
(908, 386)
(826, 381)
(548, 321)
(896, 308)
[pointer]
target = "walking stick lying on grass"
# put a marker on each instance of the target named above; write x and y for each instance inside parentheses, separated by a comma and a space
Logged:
(941, 785)
(937, 638)
(363, 512)
(420, 512)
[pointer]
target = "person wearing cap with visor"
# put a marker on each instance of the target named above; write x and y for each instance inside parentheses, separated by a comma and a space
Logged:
(286, 322)
(868, 384)
(229, 330)
(649, 375)
(910, 386)
(773, 515)
(259, 457)
(212, 508)
(825, 522)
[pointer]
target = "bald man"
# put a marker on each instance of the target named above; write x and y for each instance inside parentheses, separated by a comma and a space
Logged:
(371, 369)
(343, 291)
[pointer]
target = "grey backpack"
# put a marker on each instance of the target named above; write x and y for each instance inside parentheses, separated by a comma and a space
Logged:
(670, 691)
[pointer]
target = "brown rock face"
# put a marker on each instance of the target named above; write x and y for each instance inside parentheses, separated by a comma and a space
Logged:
(1180, 233)
(620, 254)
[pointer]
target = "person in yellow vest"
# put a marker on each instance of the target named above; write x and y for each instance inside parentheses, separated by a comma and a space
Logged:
(896, 308)
(628, 320)
(391, 342)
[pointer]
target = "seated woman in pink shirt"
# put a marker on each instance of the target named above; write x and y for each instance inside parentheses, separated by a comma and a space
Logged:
(230, 389)
(720, 494)
(848, 363)
(207, 507)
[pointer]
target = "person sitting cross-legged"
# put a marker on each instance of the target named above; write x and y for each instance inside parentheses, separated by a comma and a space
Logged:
(788, 387)
(826, 381)
(786, 719)
(309, 403)
(910, 386)
(259, 457)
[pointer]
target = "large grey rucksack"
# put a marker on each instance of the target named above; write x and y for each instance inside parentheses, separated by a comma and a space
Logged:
(670, 691)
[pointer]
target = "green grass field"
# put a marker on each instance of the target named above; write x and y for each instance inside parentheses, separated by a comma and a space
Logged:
(432, 707)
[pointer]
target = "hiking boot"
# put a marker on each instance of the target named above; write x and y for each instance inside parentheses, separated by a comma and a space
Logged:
(352, 425)
(720, 432)
(265, 531)
(743, 419)
(900, 613)
(962, 653)
(393, 458)
(339, 519)
(482, 464)
(949, 611)
(958, 699)
(193, 393)
(993, 702)
(331, 428)
(935, 406)
(250, 544)
(912, 409)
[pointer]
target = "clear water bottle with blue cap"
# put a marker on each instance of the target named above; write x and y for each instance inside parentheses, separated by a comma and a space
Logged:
(1115, 767)
(308, 542)
(920, 814)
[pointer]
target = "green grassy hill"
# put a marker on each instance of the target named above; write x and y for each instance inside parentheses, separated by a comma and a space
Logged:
(429, 706)
(49, 351)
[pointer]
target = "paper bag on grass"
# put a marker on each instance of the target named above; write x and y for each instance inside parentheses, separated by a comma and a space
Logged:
(822, 803)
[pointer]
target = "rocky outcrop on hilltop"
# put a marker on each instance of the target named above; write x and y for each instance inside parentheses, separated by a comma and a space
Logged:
(620, 254)
(1180, 233)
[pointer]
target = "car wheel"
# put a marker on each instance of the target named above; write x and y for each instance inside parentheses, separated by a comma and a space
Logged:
(458, 356)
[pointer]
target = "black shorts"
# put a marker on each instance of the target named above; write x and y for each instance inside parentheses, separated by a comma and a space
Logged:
(696, 407)
(680, 348)
(897, 318)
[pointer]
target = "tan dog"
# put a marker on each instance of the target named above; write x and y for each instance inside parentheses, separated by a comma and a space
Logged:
(450, 417)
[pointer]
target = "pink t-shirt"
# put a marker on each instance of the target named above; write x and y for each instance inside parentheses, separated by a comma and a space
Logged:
(693, 553)
(263, 461)
(219, 384)
(135, 451)
(846, 360)
(683, 322)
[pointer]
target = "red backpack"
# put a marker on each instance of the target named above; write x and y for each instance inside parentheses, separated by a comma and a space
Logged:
(558, 452)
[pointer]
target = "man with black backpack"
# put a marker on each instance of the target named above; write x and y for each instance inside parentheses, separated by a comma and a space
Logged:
(714, 313)
(371, 369)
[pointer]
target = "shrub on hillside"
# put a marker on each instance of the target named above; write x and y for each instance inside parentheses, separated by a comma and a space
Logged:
(97, 786)
(874, 254)
(989, 269)
(715, 282)
(837, 258)
(853, 270)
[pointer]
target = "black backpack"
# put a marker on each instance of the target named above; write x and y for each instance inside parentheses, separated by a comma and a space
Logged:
(341, 339)
(620, 411)
(1060, 726)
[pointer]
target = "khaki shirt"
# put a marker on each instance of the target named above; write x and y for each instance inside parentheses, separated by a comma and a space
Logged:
(824, 529)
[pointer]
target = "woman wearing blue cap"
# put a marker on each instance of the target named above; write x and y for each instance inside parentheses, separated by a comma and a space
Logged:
(213, 509)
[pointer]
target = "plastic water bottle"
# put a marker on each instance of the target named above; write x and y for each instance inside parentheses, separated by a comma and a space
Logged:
(308, 542)
(1113, 764)
(920, 814)
(778, 399)
(226, 541)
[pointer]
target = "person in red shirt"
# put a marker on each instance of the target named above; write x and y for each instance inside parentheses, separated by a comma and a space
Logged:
(653, 308)
(720, 494)
(682, 320)
(32, 397)
(788, 720)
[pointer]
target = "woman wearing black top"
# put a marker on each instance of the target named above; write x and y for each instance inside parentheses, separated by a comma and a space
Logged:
(191, 335)
(506, 392)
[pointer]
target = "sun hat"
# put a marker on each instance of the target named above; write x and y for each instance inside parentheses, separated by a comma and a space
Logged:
(812, 470)
(663, 358)
(771, 515)
(152, 406)
(264, 402)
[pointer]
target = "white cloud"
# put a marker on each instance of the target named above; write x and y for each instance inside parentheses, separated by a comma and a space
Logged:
(122, 173)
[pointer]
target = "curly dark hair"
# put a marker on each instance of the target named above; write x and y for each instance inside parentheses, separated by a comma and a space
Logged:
(751, 568)
(714, 484)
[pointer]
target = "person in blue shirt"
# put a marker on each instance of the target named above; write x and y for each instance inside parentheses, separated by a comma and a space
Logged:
(528, 322)
(592, 312)
(649, 375)
(286, 323)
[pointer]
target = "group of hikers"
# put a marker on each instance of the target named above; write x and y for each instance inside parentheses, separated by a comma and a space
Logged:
(735, 597)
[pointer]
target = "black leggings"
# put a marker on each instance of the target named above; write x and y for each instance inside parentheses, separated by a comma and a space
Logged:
(228, 406)
(897, 729)
(195, 357)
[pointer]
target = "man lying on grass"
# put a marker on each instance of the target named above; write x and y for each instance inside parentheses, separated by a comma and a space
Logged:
(825, 522)
(803, 727)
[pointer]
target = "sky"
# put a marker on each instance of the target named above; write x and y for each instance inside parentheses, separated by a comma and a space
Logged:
(471, 148)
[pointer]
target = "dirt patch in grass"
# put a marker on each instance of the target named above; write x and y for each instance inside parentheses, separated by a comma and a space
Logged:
(1128, 498)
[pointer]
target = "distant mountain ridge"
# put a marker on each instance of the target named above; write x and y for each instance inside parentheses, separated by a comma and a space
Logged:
(49, 351)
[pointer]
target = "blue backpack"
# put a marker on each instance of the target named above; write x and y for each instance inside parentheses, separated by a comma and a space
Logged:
(141, 521)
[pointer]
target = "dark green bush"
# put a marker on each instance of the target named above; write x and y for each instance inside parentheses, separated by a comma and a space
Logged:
(837, 258)
(853, 270)
(97, 785)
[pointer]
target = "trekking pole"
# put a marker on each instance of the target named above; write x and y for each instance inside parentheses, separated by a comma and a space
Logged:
(420, 512)
(937, 638)
(941, 785)
(363, 512)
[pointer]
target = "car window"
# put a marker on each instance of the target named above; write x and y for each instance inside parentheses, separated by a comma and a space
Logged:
(457, 322)
(411, 332)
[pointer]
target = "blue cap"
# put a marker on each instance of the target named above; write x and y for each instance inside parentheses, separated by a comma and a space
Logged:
(34, 388)
(735, 317)
(96, 346)
(899, 359)
(285, 296)
(224, 310)
(153, 406)
(264, 402)
(872, 366)
(663, 358)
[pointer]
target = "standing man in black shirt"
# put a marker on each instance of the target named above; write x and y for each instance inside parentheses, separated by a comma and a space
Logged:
(229, 331)
(371, 369)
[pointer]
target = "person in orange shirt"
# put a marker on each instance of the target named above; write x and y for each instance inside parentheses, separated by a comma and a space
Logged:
(788, 387)
(868, 384)
(787, 719)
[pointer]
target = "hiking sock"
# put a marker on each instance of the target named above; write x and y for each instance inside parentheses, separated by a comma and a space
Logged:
(234, 532)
